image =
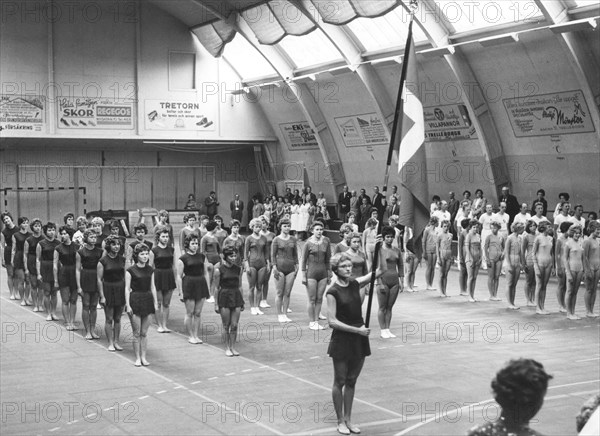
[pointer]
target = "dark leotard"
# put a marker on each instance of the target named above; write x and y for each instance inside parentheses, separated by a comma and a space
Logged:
(89, 263)
(141, 299)
(164, 276)
(285, 254)
(390, 277)
(20, 239)
(194, 284)
(230, 296)
(113, 280)
(315, 259)
(238, 245)
(47, 259)
(66, 270)
(256, 252)
(346, 345)
(32, 242)
(8, 234)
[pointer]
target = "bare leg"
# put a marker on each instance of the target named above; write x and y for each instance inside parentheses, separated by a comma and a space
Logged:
(589, 296)
(118, 311)
(189, 320)
(561, 291)
(497, 270)
(252, 279)
(196, 319)
(226, 321)
(512, 277)
(233, 329)
(340, 372)
(321, 285)
(354, 369)
(463, 276)
(383, 295)
(108, 327)
(571, 298)
(530, 285)
(390, 305)
(145, 324)
(311, 289)
(542, 283)
(136, 326)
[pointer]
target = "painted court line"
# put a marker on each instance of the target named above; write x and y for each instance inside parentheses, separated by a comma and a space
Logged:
(588, 360)
(219, 405)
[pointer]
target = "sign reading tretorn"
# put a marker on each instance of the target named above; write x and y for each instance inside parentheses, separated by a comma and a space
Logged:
(179, 115)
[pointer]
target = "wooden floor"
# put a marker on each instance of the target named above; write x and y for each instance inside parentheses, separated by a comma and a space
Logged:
(433, 379)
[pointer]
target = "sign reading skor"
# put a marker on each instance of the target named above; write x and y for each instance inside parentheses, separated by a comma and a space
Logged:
(94, 113)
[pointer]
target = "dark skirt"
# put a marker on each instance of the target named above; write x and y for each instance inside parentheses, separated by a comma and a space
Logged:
(195, 288)
(47, 272)
(114, 293)
(348, 346)
(89, 280)
(231, 298)
(31, 265)
(66, 277)
(164, 279)
(18, 260)
(142, 303)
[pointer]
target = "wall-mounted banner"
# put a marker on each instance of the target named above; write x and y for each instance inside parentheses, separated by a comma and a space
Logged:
(299, 136)
(94, 113)
(22, 114)
(448, 123)
(362, 130)
(179, 115)
(559, 113)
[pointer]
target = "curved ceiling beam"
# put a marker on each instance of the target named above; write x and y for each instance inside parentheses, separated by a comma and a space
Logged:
(332, 171)
(556, 13)
(438, 29)
(384, 107)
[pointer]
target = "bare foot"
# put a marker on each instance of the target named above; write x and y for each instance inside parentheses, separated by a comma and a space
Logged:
(145, 362)
(573, 317)
(118, 347)
(88, 336)
(353, 428)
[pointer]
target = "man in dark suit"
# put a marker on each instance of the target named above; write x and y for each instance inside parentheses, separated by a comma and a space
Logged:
(211, 204)
(237, 208)
(344, 203)
(309, 195)
(363, 194)
(379, 202)
(512, 204)
(393, 208)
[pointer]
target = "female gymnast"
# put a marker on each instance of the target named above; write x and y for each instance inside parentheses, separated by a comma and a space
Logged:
(316, 272)
(211, 249)
(284, 253)
(229, 301)
(514, 262)
(391, 281)
(444, 255)
(573, 259)
(64, 274)
(162, 258)
(192, 283)
(257, 263)
(591, 263)
(543, 262)
(493, 249)
(429, 253)
(140, 300)
(527, 248)
(86, 275)
(189, 219)
(111, 286)
(44, 262)
(559, 262)
(18, 259)
(264, 286)
(472, 257)
(349, 343)
(29, 250)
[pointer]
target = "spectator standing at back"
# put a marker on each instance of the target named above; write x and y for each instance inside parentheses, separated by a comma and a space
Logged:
(363, 194)
(541, 199)
(563, 198)
(512, 204)
(453, 206)
(191, 203)
(379, 202)
(236, 206)
(355, 204)
(344, 203)
(211, 204)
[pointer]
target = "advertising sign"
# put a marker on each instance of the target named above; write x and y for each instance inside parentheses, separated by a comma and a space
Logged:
(448, 123)
(299, 136)
(362, 130)
(549, 114)
(94, 113)
(22, 114)
(179, 115)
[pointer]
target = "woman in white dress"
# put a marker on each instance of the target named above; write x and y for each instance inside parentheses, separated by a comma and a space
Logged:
(295, 211)
(304, 216)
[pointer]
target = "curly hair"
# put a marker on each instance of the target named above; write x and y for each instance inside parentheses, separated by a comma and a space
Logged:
(345, 228)
(235, 223)
(188, 216)
(87, 233)
(35, 221)
(228, 251)
(159, 230)
(48, 225)
(521, 385)
(140, 226)
(211, 226)
(68, 230)
(283, 221)
(189, 238)
(139, 248)
(388, 231)
(110, 242)
(574, 229)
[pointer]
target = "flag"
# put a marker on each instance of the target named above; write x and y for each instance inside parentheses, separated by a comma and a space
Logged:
(409, 140)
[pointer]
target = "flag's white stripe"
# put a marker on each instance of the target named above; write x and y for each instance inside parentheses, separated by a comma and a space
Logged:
(415, 136)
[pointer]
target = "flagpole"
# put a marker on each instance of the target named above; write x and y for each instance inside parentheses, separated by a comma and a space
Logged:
(394, 135)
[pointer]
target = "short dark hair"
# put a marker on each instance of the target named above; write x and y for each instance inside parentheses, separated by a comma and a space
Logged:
(67, 216)
(388, 230)
(139, 248)
(48, 225)
(189, 238)
(140, 226)
(22, 219)
(565, 226)
(110, 241)
(541, 191)
(211, 226)
(66, 229)
(565, 195)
